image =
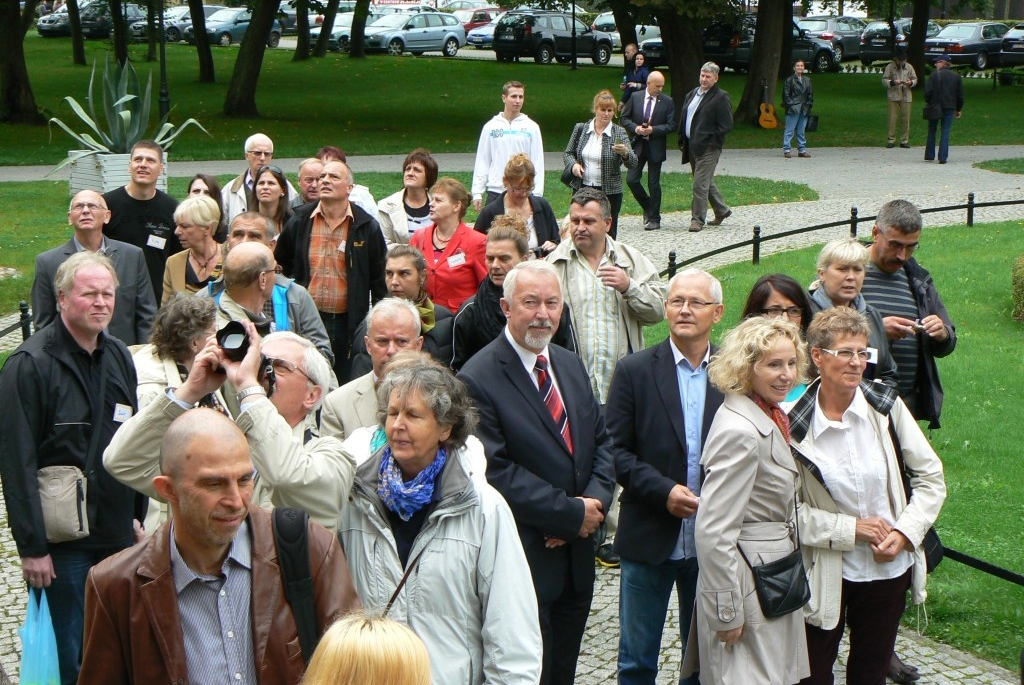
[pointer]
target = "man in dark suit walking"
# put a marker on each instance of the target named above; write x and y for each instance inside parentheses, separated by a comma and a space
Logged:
(659, 411)
(547, 453)
(943, 92)
(650, 116)
(705, 120)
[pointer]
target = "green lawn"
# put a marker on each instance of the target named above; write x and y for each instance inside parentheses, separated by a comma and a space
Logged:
(981, 433)
(391, 105)
(1003, 166)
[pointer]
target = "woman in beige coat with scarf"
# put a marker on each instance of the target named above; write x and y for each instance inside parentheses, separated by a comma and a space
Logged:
(748, 502)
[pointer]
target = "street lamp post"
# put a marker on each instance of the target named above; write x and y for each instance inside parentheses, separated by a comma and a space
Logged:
(165, 100)
(574, 67)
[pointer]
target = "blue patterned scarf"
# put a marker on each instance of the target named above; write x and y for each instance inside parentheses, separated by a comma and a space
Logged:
(405, 498)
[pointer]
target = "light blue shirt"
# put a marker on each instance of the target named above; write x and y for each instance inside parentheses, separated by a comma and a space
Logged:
(693, 391)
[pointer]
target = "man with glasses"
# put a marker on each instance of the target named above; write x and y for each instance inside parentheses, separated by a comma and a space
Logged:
(612, 291)
(259, 151)
(660, 408)
(916, 321)
(142, 215)
(135, 304)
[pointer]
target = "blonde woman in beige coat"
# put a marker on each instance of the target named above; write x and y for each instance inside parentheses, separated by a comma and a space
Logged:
(748, 501)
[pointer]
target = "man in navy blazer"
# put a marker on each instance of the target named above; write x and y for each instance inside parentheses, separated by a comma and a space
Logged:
(649, 115)
(660, 408)
(556, 477)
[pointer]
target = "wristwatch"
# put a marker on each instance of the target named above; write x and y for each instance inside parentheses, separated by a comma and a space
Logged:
(249, 392)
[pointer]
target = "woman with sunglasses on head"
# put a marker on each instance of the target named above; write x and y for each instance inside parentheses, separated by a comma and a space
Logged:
(779, 296)
(518, 198)
(270, 195)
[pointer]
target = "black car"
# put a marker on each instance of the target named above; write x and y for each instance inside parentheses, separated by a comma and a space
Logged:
(874, 42)
(97, 22)
(546, 35)
(1012, 53)
(731, 44)
(842, 32)
(976, 43)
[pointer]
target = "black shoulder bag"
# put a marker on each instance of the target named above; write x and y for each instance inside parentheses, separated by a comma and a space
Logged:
(931, 543)
(781, 585)
(291, 537)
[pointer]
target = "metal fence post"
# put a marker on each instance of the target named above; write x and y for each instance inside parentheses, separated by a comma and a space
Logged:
(853, 222)
(672, 264)
(25, 320)
(757, 245)
(970, 209)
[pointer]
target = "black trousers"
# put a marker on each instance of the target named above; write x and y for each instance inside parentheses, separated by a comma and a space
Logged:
(337, 333)
(562, 622)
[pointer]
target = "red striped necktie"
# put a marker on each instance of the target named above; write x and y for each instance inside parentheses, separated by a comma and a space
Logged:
(552, 400)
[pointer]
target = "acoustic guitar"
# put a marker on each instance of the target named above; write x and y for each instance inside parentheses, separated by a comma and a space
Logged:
(767, 119)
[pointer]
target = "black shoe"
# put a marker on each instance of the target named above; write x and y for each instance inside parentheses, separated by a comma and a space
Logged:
(900, 672)
(889, 145)
(606, 556)
(905, 146)
(652, 226)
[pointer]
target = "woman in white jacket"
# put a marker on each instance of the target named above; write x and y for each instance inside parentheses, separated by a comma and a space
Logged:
(416, 515)
(860, 532)
(403, 213)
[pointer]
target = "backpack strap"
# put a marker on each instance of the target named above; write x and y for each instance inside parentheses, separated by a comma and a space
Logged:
(291, 538)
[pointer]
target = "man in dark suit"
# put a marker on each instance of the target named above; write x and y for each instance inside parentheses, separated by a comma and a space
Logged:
(705, 120)
(649, 115)
(135, 304)
(547, 453)
(659, 411)
(943, 91)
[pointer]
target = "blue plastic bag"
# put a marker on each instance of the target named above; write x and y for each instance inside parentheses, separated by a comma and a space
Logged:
(38, 644)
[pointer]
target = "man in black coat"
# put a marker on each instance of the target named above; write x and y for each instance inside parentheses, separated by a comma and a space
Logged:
(649, 116)
(943, 92)
(547, 453)
(660, 408)
(705, 120)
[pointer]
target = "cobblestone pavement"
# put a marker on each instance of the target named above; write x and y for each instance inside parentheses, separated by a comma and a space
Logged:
(853, 177)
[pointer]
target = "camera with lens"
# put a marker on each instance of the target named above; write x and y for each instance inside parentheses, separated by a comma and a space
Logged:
(234, 340)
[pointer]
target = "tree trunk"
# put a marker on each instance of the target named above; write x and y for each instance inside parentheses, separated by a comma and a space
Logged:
(684, 51)
(785, 64)
(627, 26)
(764, 60)
(915, 41)
(330, 12)
(152, 29)
(302, 29)
(241, 97)
(206, 73)
(357, 44)
(77, 39)
(17, 103)
(119, 32)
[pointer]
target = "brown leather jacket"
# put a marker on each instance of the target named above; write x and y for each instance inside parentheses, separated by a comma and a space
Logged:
(132, 628)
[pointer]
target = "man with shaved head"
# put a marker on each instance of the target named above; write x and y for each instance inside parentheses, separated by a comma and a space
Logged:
(259, 151)
(135, 304)
(202, 600)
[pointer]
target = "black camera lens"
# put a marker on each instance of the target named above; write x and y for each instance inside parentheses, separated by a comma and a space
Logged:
(233, 340)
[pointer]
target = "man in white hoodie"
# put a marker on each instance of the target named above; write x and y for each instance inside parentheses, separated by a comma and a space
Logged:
(508, 133)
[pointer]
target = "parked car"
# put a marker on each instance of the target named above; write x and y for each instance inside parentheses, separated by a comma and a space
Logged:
(341, 32)
(176, 31)
(229, 26)
(842, 32)
(547, 35)
(97, 22)
(419, 33)
(606, 22)
(482, 37)
(57, 22)
(289, 22)
(975, 42)
(1012, 53)
(401, 8)
(874, 42)
(731, 44)
(464, 5)
(473, 18)
(176, 20)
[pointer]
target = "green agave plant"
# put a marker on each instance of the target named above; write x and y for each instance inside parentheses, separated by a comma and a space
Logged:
(126, 110)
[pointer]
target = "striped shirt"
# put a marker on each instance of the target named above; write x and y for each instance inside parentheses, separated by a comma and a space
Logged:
(328, 280)
(890, 294)
(216, 621)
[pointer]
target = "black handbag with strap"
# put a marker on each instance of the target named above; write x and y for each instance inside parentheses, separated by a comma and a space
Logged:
(781, 585)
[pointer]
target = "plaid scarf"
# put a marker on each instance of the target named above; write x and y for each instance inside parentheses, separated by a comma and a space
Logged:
(880, 397)
(402, 497)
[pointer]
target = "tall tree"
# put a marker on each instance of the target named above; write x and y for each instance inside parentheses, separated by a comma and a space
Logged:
(915, 42)
(206, 72)
(17, 103)
(357, 49)
(302, 31)
(765, 58)
(330, 12)
(119, 31)
(152, 29)
(77, 39)
(241, 97)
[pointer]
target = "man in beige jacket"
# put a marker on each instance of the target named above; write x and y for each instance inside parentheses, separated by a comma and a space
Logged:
(899, 78)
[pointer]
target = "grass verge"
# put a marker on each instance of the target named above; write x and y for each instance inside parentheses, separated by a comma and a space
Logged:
(981, 433)
(1003, 166)
(384, 105)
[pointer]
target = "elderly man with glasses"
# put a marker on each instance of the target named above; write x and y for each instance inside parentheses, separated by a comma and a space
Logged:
(259, 151)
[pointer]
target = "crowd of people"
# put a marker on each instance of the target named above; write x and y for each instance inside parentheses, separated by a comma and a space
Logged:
(463, 419)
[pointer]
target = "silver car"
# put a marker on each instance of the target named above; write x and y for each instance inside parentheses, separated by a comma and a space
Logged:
(417, 33)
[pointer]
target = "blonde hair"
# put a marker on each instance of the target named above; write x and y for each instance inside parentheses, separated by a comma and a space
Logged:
(455, 191)
(605, 97)
(368, 650)
(843, 251)
(519, 168)
(733, 367)
(198, 210)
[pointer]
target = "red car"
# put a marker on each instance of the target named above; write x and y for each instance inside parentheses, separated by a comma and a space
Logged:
(472, 18)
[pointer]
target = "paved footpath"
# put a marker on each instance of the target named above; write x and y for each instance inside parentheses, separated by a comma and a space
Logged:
(849, 177)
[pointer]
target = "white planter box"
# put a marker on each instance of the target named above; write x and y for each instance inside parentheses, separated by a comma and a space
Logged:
(103, 173)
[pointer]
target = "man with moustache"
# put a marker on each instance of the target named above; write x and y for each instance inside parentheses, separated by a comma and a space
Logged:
(135, 305)
(660, 408)
(548, 454)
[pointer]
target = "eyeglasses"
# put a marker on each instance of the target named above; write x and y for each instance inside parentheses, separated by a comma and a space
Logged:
(91, 206)
(273, 169)
(791, 312)
(260, 153)
(526, 189)
(847, 356)
(695, 305)
(276, 270)
(286, 366)
(895, 244)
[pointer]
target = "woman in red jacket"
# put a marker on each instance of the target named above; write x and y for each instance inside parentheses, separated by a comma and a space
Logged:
(454, 251)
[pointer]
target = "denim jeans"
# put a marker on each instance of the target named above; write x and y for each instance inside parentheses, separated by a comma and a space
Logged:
(644, 593)
(795, 123)
(933, 124)
(66, 596)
